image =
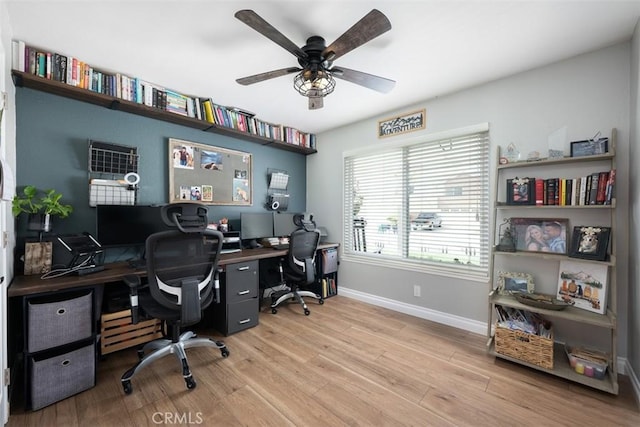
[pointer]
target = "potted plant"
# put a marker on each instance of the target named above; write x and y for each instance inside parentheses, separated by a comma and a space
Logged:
(40, 206)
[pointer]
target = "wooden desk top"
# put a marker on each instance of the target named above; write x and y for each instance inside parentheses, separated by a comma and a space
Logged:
(29, 285)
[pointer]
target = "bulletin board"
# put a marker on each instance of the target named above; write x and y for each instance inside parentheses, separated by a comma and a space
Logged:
(210, 175)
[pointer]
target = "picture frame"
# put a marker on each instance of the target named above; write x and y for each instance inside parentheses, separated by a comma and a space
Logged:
(521, 191)
(408, 122)
(583, 285)
(547, 235)
(590, 242)
(511, 283)
(589, 147)
(207, 174)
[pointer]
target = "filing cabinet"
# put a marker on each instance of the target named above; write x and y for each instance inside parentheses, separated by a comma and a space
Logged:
(239, 306)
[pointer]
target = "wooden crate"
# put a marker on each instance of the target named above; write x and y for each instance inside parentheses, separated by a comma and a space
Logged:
(520, 345)
(117, 332)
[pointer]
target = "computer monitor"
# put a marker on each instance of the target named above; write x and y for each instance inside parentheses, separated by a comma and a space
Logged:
(283, 224)
(126, 225)
(256, 225)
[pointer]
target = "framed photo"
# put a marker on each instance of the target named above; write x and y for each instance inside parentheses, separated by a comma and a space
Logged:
(511, 283)
(409, 122)
(583, 285)
(589, 147)
(590, 242)
(541, 234)
(521, 191)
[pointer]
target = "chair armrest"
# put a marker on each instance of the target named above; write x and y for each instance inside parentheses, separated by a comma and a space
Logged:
(133, 282)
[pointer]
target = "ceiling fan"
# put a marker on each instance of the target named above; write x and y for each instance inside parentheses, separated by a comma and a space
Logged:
(315, 79)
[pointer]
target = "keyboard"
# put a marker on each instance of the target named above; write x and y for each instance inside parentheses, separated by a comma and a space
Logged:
(89, 270)
(137, 263)
(230, 251)
(281, 247)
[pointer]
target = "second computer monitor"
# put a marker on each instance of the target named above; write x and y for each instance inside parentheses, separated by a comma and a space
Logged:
(283, 224)
(256, 225)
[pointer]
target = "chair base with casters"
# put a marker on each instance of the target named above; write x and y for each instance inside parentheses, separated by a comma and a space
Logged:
(177, 345)
(173, 343)
(280, 297)
(291, 292)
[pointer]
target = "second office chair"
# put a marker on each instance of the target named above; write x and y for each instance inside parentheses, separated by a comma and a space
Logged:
(298, 269)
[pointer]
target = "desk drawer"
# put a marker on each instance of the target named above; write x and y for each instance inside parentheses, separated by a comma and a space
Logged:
(242, 315)
(52, 323)
(241, 281)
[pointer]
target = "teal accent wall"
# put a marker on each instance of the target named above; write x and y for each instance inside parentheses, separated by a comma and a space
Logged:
(52, 152)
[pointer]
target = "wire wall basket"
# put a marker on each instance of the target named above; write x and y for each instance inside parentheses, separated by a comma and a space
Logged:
(109, 168)
(114, 159)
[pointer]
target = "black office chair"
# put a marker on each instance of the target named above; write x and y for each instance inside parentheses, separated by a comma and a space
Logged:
(299, 268)
(182, 281)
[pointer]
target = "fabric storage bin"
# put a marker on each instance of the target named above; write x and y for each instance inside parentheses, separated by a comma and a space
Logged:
(329, 261)
(529, 348)
(56, 377)
(52, 323)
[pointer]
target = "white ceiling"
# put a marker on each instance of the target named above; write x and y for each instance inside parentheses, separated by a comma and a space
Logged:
(433, 48)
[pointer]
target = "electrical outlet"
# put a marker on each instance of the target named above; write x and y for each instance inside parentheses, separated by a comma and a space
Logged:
(416, 290)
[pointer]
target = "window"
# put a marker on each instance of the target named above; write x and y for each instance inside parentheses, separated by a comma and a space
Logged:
(424, 202)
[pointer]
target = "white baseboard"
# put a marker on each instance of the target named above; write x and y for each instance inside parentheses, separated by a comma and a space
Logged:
(624, 367)
(417, 311)
(635, 382)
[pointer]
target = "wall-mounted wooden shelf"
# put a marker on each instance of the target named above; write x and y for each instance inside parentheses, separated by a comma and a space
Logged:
(22, 79)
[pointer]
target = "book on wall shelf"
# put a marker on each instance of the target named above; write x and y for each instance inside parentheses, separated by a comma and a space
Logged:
(72, 71)
(594, 189)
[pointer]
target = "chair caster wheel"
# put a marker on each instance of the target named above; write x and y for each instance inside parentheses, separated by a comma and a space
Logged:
(307, 312)
(191, 383)
(127, 387)
(274, 310)
(225, 352)
(320, 301)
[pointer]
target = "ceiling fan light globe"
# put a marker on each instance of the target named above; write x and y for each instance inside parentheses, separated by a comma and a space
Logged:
(314, 83)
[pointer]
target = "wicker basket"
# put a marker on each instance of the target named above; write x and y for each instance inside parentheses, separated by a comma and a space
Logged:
(529, 348)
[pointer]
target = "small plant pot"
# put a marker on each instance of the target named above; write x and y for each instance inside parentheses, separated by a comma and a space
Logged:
(40, 222)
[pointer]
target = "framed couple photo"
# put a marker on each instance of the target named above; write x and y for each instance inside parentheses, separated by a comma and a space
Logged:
(541, 234)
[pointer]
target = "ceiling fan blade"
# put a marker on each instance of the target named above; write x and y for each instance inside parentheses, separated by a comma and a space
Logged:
(254, 20)
(368, 28)
(266, 76)
(370, 81)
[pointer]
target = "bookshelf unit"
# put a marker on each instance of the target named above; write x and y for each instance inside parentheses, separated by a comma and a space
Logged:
(24, 79)
(578, 323)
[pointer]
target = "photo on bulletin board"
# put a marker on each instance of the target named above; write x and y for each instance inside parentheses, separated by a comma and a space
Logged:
(208, 174)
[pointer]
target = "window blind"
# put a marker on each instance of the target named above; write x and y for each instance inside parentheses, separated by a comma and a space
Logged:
(426, 202)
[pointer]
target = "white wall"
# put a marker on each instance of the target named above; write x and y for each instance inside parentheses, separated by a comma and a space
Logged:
(7, 150)
(633, 335)
(588, 93)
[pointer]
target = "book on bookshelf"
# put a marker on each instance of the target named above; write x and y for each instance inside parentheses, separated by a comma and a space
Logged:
(77, 73)
(610, 187)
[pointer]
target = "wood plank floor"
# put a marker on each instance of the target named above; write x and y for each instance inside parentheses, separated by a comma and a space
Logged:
(347, 364)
